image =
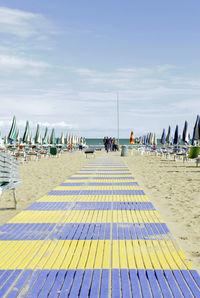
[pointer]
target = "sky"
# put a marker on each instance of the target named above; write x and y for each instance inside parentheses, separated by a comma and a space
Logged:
(62, 64)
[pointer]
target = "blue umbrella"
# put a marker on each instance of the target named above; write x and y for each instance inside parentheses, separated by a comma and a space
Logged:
(168, 138)
(185, 138)
(163, 137)
(176, 138)
(196, 132)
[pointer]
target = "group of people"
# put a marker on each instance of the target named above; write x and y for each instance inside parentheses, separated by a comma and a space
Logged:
(110, 144)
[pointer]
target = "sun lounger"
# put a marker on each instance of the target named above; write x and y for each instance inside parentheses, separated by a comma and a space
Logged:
(9, 175)
(193, 154)
(89, 151)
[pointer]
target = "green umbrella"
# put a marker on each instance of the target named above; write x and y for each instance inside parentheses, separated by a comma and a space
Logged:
(45, 141)
(13, 131)
(37, 134)
(52, 138)
(25, 138)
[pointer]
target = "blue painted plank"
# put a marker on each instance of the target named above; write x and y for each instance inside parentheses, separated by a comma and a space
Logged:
(19, 284)
(182, 284)
(76, 286)
(48, 283)
(59, 280)
(145, 288)
(95, 285)
(153, 283)
(29, 283)
(191, 283)
(9, 282)
(104, 288)
(64, 292)
(116, 288)
(125, 284)
(85, 287)
(172, 283)
(196, 277)
(163, 283)
(134, 281)
(5, 275)
(39, 283)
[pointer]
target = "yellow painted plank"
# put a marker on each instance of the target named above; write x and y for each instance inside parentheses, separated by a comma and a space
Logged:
(106, 256)
(91, 256)
(123, 255)
(99, 255)
(115, 254)
(84, 255)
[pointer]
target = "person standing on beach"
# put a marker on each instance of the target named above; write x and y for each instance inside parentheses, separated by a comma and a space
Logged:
(107, 144)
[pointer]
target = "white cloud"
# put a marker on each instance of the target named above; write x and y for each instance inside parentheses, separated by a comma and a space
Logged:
(13, 62)
(20, 23)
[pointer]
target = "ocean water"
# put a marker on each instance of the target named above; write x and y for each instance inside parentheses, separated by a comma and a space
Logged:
(99, 142)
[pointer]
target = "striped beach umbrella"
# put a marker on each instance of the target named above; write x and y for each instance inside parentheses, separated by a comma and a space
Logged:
(25, 138)
(196, 131)
(13, 131)
(52, 137)
(176, 136)
(37, 134)
(185, 137)
(168, 137)
(45, 140)
(163, 137)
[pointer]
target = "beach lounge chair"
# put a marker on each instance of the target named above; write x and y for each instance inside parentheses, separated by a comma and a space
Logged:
(9, 175)
(193, 154)
(89, 151)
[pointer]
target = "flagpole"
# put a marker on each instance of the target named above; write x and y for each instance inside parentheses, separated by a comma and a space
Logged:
(118, 117)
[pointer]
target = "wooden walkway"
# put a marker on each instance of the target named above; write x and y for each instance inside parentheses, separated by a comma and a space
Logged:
(98, 235)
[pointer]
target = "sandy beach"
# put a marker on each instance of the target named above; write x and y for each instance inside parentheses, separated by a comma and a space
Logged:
(38, 178)
(173, 188)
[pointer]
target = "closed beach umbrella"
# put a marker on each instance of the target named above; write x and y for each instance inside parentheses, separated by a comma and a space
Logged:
(154, 139)
(52, 137)
(31, 139)
(0, 139)
(37, 134)
(62, 139)
(150, 139)
(40, 139)
(168, 137)
(176, 137)
(185, 137)
(13, 131)
(163, 137)
(131, 141)
(5, 140)
(45, 141)
(26, 134)
(196, 132)
(67, 139)
(18, 136)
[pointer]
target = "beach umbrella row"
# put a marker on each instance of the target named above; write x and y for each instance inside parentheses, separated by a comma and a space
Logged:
(14, 136)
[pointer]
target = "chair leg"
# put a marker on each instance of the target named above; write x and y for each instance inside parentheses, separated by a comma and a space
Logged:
(15, 198)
